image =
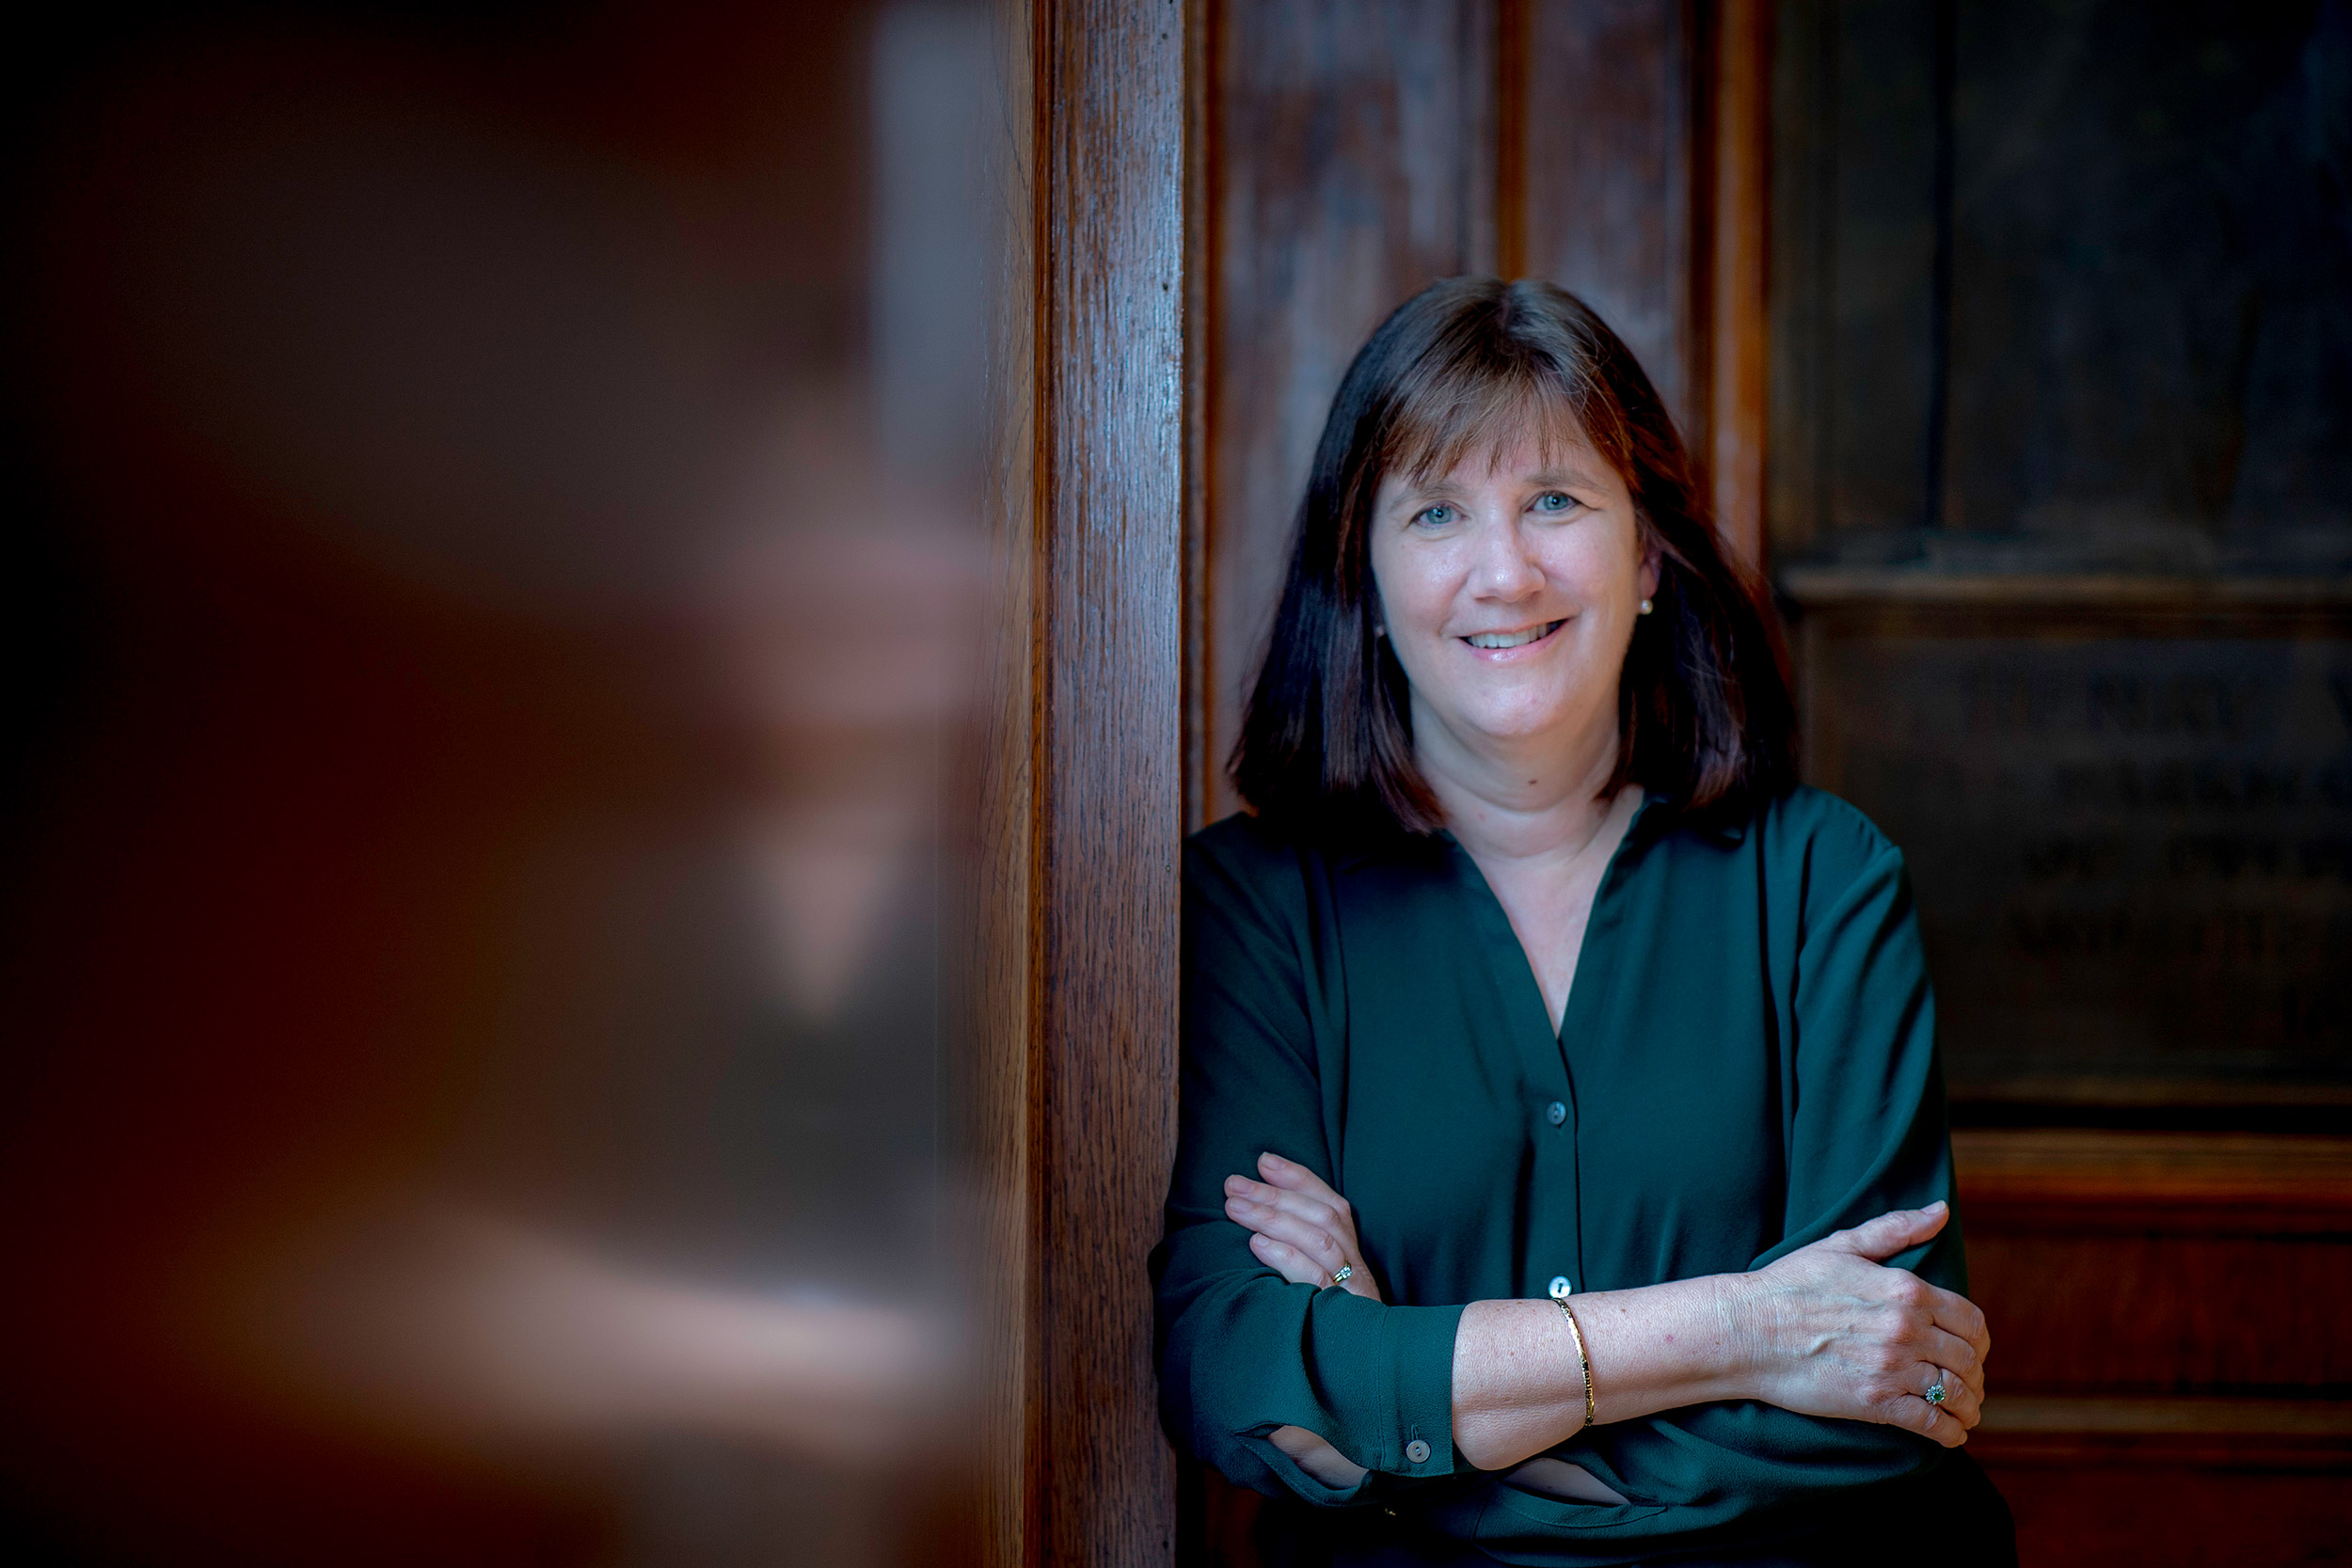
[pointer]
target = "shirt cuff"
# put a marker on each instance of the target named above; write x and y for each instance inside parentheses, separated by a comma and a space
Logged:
(1420, 1440)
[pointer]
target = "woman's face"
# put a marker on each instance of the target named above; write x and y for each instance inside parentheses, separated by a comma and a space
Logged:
(1508, 588)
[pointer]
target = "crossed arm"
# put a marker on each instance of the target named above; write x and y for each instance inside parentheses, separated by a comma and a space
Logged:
(1824, 1331)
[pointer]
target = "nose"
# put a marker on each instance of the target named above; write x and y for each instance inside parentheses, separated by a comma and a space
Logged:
(1503, 569)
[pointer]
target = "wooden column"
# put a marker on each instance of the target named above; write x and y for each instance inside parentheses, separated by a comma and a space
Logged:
(1084, 804)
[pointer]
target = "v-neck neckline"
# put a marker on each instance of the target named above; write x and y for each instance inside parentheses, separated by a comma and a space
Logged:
(1514, 969)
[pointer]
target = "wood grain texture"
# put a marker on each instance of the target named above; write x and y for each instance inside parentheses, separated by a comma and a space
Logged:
(1609, 164)
(2145, 1310)
(1802, 273)
(1109, 572)
(1203, 151)
(1510, 132)
(2212, 1183)
(2229, 1480)
(2145, 1263)
(1739, 360)
(1354, 165)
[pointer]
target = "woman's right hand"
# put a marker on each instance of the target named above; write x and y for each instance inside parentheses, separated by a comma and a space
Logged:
(1298, 1227)
(1838, 1334)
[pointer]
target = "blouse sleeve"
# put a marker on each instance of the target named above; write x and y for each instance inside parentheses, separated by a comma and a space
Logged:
(1865, 1132)
(1244, 1351)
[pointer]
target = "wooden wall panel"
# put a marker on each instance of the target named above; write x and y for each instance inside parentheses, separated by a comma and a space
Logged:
(2116, 1262)
(1353, 165)
(2166, 1344)
(1609, 169)
(1737, 141)
(2140, 1308)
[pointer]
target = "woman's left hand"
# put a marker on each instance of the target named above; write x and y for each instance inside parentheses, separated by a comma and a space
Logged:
(1299, 1228)
(1842, 1335)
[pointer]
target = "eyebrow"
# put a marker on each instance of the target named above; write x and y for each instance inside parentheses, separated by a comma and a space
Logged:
(1566, 477)
(1440, 487)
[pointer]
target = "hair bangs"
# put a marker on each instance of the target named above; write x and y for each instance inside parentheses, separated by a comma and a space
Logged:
(1489, 398)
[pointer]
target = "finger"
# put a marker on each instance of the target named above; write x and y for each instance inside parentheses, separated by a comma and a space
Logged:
(1310, 1239)
(1914, 1414)
(1325, 1214)
(1890, 1234)
(1274, 1200)
(1950, 1352)
(1956, 1314)
(1959, 1403)
(1291, 1176)
(1944, 1426)
(1956, 1383)
(1287, 1261)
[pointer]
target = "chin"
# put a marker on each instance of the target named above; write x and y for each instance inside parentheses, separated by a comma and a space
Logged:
(1517, 724)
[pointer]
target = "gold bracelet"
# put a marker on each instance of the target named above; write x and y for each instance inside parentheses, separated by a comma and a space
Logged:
(1581, 1359)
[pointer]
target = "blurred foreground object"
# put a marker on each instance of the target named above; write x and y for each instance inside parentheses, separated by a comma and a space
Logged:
(502, 587)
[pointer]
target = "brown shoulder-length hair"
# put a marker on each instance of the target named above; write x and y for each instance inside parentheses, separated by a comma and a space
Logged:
(1704, 712)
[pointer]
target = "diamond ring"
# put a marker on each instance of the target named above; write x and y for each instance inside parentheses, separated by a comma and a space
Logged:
(1935, 1391)
(1347, 1272)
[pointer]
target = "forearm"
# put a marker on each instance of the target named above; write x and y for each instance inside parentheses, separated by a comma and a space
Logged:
(1518, 1389)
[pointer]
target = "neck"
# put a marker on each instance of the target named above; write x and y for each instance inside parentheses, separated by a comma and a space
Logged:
(1531, 799)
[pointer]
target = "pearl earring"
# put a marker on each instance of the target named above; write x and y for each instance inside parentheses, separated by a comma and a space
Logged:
(1646, 607)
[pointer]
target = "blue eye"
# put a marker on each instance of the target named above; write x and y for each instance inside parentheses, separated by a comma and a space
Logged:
(1552, 500)
(1437, 516)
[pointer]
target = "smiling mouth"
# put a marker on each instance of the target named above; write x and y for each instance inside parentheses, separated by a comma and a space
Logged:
(1513, 639)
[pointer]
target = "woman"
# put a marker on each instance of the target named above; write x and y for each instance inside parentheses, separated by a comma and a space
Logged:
(1563, 1170)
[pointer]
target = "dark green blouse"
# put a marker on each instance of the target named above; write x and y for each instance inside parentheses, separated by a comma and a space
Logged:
(1747, 1063)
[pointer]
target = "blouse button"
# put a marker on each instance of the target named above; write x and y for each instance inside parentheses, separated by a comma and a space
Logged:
(1555, 1113)
(1418, 1452)
(1561, 1288)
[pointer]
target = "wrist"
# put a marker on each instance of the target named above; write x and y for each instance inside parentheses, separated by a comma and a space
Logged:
(1744, 1335)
